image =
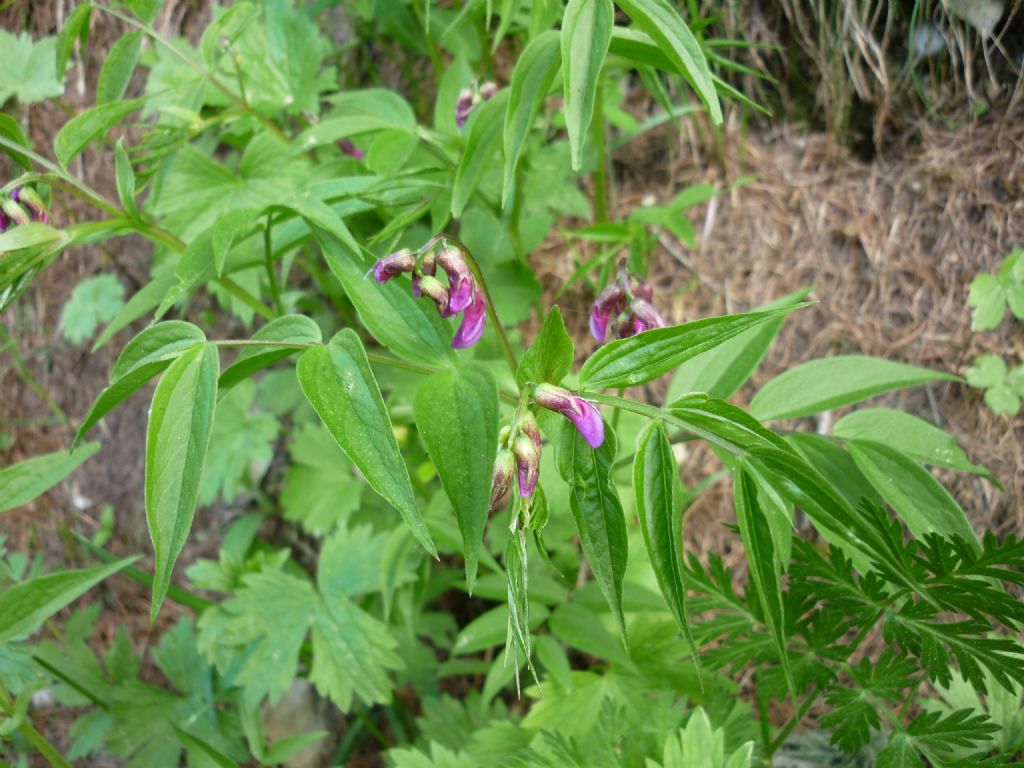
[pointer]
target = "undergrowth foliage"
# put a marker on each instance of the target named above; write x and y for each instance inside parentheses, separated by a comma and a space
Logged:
(381, 407)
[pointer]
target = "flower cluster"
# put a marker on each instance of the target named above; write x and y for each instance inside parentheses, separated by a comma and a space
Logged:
(23, 206)
(626, 303)
(520, 451)
(469, 98)
(461, 295)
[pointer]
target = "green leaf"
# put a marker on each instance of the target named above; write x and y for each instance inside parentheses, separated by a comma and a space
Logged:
(82, 129)
(409, 328)
(26, 480)
(660, 511)
(597, 511)
(24, 606)
(321, 488)
(289, 329)
(29, 236)
(668, 30)
(229, 228)
(457, 416)
(94, 301)
(723, 424)
(723, 370)
(125, 179)
(118, 67)
(918, 498)
(357, 112)
(764, 572)
(143, 357)
(75, 28)
(28, 69)
(9, 129)
(550, 356)
(586, 34)
(531, 81)
(988, 302)
(337, 381)
(180, 422)
(641, 358)
(832, 382)
(987, 371)
(909, 434)
(484, 133)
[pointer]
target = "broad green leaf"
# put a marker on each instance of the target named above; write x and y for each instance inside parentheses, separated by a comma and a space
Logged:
(297, 330)
(641, 358)
(22, 482)
(909, 434)
(583, 629)
(94, 301)
(671, 34)
(118, 67)
(835, 465)
(410, 328)
(27, 68)
(180, 422)
(125, 179)
(357, 112)
(660, 511)
(82, 129)
(764, 572)
(723, 370)
(75, 28)
(531, 81)
(988, 302)
(550, 356)
(832, 382)
(723, 424)
(918, 498)
(337, 380)
(598, 513)
(24, 606)
(9, 129)
(987, 371)
(457, 416)
(321, 488)
(143, 357)
(484, 132)
(229, 229)
(29, 236)
(586, 33)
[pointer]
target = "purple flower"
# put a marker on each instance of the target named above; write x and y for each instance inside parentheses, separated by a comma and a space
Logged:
(646, 314)
(608, 302)
(581, 412)
(5, 222)
(473, 321)
(488, 90)
(528, 464)
(461, 285)
(393, 265)
(528, 426)
(501, 479)
(625, 304)
(350, 149)
(433, 289)
(463, 106)
(15, 212)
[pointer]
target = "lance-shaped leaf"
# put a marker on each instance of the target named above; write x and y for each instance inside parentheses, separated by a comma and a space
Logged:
(337, 380)
(28, 479)
(764, 574)
(81, 129)
(640, 358)
(290, 329)
(655, 481)
(180, 421)
(598, 513)
(25, 606)
(457, 416)
(550, 356)
(143, 357)
(484, 129)
(586, 34)
(531, 80)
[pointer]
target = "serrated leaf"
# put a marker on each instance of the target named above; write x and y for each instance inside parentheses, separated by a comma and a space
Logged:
(94, 301)
(118, 67)
(988, 302)
(598, 513)
(337, 380)
(550, 356)
(321, 488)
(586, 34)
(83, 128)
(27, 68)
(24, 606)
(531, 81)
(483, 134)
(672, 35)
(290, 329)
(180, 422)
(457, 416)
(641, 358)
(833, 382)
(660, 511)
(22, 482)
(987, 371)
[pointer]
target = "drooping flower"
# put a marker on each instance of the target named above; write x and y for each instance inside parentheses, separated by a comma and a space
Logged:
(473, 321)
(583, 414)
(463, 106)
(625, 305)
(645, 315)
(501, 479)
(433, 289)
(18, 216)
(393, 265)
(528, 426)
(527, 463)
(461, 285)
(608, 302)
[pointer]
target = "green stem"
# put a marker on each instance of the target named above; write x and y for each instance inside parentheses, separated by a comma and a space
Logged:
(268, 255)
(246, 298)
(601, 175)
(32, 736)
(793, 722)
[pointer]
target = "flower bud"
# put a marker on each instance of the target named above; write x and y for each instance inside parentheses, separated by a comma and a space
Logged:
(5, 222)
(647, 315)
(528, 464)
(504, 434)
(350, 149)
(528, 426)
(393, 265)
(15, 212)
(463, 106)
(428, 264)
(460, 279)
(473, 321)
(488, 90)
(610, 301)
(432, 288)
(634, 285)
(583, 414)
(31, 200)
(501, 479)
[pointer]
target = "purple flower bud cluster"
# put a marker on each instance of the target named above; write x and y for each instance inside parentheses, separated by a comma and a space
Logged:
(626, 304)
(23, 206)
(350, 149)
(520, 451)
(461, 295)
(469, 98)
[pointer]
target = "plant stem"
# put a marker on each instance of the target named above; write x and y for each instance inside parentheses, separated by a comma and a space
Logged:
(246, 298)
(36, 739)
(268, 255)
(793, 722)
